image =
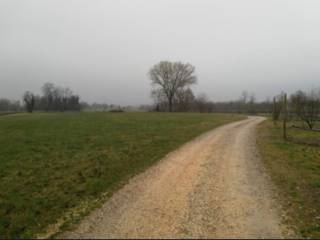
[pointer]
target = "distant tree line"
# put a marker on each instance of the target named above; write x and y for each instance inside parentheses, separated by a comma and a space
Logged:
(7, 105)
(172, 92)
(102, 107)
(53, 98)
(185, 101)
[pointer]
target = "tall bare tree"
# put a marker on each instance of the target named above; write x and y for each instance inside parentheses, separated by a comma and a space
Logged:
(172, 76)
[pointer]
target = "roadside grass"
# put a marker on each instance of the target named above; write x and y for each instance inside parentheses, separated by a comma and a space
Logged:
(304, 136)
(51, 163)
(295, 169)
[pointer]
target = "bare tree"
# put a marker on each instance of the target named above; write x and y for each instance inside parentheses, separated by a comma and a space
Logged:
(172, 76)
(306, 106)
(29, 100)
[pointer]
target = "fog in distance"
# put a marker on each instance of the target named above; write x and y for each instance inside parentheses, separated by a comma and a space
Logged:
(104, 49)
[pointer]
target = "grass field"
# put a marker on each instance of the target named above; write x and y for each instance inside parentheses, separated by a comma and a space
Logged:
(295, 168)
(51, 163)
(304, 136)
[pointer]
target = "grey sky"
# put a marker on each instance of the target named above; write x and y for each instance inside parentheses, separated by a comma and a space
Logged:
(104, 49)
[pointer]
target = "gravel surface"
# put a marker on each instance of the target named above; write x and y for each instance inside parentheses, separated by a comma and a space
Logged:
(211, 187)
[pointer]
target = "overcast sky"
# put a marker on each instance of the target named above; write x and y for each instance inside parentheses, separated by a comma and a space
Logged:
(104, 49)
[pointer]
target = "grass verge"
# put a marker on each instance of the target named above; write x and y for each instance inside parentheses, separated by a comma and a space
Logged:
(53, 163)
(295, 169)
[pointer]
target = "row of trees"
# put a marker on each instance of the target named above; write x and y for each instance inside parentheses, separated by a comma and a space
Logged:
(7, 105)
(104, 107)
(54, 98)
(172, 82)
(186, 101)
(245, 104)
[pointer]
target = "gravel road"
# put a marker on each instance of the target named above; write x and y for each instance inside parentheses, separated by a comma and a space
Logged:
(211, 187)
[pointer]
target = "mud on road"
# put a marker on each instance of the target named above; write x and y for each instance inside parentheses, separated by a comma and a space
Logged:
(211, 187)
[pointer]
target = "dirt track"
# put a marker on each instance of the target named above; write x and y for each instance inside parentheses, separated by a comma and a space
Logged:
(212, 187)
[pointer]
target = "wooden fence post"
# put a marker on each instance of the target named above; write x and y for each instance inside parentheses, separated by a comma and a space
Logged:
(285, 116)
(274, 111)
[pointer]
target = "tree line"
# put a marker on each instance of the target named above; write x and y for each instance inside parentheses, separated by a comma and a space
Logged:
(53, 98)
(7, 105)
(56, 99)
(172, 82)
(172, 91)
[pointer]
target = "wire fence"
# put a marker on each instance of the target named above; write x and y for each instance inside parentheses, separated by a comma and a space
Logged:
(300, 117)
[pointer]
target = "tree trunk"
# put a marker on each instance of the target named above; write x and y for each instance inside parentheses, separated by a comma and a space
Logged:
(310, 125)
(170, 104)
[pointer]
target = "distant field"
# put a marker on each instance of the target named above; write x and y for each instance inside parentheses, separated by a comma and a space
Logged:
(51, 163)
(295, 168)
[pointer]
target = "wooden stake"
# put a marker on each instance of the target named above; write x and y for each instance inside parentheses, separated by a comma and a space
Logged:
(285, 116)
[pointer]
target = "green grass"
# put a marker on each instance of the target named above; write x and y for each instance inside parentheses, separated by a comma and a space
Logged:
(303, 136)
(295, 168)
(51, 163)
